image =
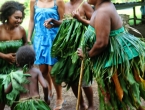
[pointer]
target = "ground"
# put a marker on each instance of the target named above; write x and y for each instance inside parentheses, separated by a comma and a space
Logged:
(70, 100)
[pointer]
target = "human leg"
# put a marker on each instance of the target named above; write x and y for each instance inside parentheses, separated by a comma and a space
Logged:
(58, 89)
(83, 105)
(89, 94)
(2, 106)
(141, 108)
(46, 75)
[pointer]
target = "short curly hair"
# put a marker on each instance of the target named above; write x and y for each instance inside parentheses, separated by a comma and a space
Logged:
(25, 56)
(9, 8)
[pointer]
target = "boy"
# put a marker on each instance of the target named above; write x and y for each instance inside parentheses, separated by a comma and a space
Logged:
(25, 57)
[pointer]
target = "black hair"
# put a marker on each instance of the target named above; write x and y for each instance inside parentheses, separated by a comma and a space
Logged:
(25, 56)
(8, 8)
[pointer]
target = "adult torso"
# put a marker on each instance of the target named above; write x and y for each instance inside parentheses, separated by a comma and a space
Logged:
(10, 34)
(76, 5)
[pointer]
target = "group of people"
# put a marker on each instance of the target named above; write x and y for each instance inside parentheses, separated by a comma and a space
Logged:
(66, 34)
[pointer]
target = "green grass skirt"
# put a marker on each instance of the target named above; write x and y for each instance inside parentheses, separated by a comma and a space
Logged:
(69, 38)
(2, 95)
(32, 104)
(124, 53)
(8, 47)
(17, 79)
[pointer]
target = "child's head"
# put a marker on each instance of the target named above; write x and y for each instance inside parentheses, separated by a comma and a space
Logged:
(9, 8)
(25, 56)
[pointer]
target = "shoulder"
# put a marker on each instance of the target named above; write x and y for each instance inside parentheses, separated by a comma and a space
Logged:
(22, 29)
(59, 2)
(87, 7)
(1, 28)
(32, 1)
(85, 4)
(36, 70)
(107, 7)
(105, 10)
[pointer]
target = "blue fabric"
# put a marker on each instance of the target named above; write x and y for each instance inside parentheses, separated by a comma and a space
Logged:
(43, 37)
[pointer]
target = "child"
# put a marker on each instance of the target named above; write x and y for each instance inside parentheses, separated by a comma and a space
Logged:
(25, 57)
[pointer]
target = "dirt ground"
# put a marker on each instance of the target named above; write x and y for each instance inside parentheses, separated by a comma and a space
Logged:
(70, 100)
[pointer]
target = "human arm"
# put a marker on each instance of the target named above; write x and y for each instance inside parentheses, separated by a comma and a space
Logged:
(88, 10)
(102, 25)
(9, 57)
(31, 21)
(43, 83)
(24, 38)
(8, 89)
(55, 23)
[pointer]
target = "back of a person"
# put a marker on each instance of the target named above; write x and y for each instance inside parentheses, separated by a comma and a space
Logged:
(115, 19)
(25, 58)
(32, 87)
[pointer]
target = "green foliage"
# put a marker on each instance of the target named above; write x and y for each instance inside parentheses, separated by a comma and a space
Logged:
(27, 5)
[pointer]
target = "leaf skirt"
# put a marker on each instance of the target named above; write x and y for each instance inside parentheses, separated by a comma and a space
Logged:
(8, 47)
(2, 95)
(17, 79)
(69, 37)
(124, 56)
(32, 104)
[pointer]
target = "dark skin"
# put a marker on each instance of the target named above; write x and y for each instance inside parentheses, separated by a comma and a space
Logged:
(102, 23)
(32, 87)
(104, 19)
(70, 8)
(44, 68)
(85, 10)
(79, 13)
(12, 31)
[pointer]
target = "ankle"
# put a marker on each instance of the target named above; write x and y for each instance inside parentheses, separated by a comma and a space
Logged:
(83, 106)
(140, 108)
(91, 108)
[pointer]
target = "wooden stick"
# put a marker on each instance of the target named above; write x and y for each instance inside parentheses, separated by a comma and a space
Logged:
(80, 84)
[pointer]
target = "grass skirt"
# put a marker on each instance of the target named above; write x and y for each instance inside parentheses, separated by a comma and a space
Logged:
(17, 79)
(8, 47)
(124, 56)
(2, 95)
(68, 39)
(32, 104)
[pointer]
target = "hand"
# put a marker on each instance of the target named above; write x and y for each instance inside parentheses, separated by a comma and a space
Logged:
(29, 42)
(76, 14)
(80, 53)
(47, 23)
(10, 57)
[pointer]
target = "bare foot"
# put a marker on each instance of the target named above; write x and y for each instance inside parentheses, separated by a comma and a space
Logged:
(83, 107)
(50, 97)
(91, 108)
(141, 108)
(59, 104)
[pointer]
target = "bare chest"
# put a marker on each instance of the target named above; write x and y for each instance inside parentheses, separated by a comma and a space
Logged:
(10, 35)
(71, 8)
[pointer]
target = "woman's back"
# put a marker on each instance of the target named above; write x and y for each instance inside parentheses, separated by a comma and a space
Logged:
(107, 10)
